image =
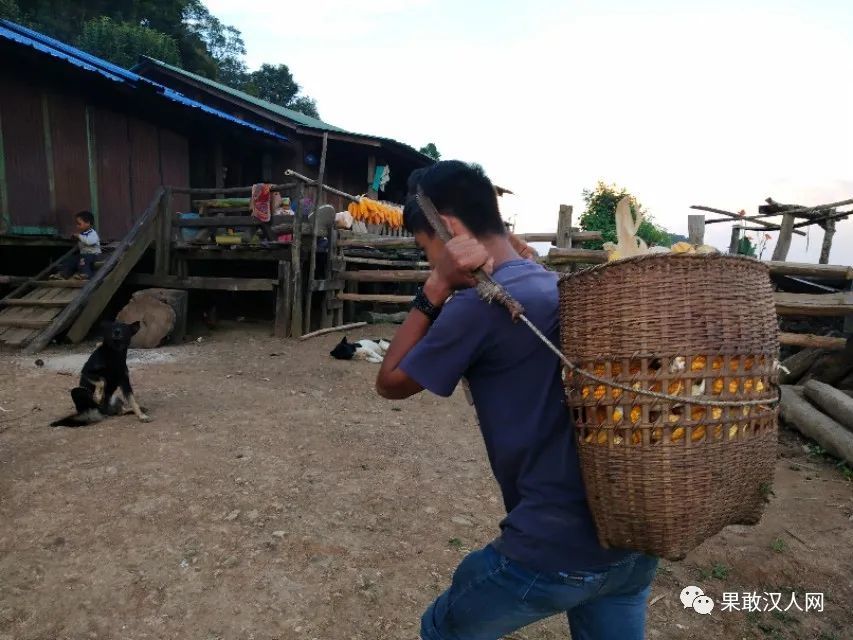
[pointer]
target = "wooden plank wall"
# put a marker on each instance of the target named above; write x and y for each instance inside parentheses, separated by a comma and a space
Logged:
(28, 194)
(175, 166)
(144, 164)
(62, 155)
(113, 165)
(70, 165)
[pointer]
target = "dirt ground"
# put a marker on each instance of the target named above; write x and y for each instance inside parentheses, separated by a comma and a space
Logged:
(276, 496)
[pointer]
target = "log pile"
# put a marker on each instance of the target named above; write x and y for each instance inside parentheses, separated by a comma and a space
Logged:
(817, 397)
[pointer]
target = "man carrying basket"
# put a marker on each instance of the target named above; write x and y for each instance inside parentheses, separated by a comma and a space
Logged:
(547, 559)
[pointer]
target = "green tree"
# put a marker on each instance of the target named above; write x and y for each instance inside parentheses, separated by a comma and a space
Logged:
(430, 150)
(9, 10)
(222, 44)
(181, 32)
(600, 215)
(306, 105)
(275, 83)
(122, 43)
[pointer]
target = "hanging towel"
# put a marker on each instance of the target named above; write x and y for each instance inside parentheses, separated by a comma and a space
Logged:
(381, 176)
(260, 202)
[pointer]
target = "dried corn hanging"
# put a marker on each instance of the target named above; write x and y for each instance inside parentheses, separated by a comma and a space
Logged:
(374, 212)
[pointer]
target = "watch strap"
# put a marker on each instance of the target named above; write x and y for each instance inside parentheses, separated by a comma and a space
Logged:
(422, 304)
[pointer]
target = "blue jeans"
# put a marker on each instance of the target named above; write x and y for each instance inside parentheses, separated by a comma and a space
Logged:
(492, 596)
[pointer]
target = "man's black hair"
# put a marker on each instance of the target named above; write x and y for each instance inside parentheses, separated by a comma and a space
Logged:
(456, 189)
(85, 216)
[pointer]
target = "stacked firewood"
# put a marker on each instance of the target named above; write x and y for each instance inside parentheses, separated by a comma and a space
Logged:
(817, 397)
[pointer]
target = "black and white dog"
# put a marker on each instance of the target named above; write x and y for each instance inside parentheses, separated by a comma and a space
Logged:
(370, 350)
(103, 374)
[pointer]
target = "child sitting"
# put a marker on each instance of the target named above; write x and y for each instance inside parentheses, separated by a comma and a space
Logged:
(89, 247)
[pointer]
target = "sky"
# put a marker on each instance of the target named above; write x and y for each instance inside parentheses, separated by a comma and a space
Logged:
(717, 103)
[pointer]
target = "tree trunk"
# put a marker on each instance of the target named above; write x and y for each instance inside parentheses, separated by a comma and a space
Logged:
(798, 364)
(162, 314)
(832, 367)
(811, 422)
(836, 404)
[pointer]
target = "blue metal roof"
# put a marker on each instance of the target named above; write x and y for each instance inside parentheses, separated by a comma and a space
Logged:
(52, 47)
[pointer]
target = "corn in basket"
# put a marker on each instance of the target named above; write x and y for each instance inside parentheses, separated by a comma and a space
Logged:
(664, 474)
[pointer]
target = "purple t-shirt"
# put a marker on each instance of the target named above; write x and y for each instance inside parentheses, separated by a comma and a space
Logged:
(518, 394)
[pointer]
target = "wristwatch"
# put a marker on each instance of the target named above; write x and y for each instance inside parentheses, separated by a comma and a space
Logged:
(422, 304)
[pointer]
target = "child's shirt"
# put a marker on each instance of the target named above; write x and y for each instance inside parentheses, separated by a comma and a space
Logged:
(89, 242)
(517, 391)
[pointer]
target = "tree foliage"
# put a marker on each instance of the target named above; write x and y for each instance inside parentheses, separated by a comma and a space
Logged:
(275, 83)
(304, 104)
(430, 150)
(180, 32)
(9, 10)
(122, 43)
(600, 215)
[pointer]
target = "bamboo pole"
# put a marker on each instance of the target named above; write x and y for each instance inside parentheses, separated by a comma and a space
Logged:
(296, 268)
(309, 181)
(375, 297)
(812, 341)
(229, 190)
(734, 216)
(343, 327)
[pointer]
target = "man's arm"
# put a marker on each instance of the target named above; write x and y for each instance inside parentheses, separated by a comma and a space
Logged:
(392, 382)
(461, 257)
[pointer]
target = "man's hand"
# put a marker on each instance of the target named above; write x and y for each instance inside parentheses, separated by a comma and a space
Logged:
(454, 270)
(75, 236)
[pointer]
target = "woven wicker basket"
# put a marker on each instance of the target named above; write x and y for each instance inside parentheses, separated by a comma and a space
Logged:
(662, 476)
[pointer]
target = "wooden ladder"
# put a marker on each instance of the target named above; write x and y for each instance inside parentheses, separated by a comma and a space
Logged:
(39, 309)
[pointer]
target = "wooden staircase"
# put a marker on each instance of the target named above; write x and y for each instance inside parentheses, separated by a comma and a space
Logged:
(33, 307)
(40, 309)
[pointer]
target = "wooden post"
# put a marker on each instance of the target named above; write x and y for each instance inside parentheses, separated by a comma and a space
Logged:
(350, 287)
(266, 166)
(312, 260)
(48, 154)
(92, 157)
(163, 235)
(696, 228)
(735, 239)
(5, 214)
(335, 316)
(784, 241)
(283, 300)
(564, 227)
(218, 167)
(296, 268)
(826, 247)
